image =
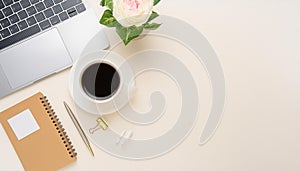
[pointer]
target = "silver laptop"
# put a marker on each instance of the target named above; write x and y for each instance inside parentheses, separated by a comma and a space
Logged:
(42, 37)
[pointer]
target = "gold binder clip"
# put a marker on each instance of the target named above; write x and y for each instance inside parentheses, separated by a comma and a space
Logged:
(101, 124)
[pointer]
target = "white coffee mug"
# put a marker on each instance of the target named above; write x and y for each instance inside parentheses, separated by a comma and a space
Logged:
(103, 105)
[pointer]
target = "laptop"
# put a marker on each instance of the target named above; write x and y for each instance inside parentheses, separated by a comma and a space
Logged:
(42, 37)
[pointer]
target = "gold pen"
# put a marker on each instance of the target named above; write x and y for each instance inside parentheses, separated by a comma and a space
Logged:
(79, 128)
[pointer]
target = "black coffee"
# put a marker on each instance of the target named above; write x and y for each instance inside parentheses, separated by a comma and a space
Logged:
(100, 81)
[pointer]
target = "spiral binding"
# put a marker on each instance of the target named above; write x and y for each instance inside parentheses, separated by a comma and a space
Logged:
(58, 126)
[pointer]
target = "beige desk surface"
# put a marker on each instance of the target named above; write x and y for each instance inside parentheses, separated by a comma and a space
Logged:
(258, 46)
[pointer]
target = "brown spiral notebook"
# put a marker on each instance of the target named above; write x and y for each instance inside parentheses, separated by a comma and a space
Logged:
(43, 145)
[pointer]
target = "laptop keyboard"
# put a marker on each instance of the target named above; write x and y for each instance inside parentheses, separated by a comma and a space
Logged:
(20, 19)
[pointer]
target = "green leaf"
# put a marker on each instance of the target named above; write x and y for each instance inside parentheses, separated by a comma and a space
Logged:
(107, 3)
(156, 2)
(153, 16)
(108, 19)
(129, 33)
(152, 26)
(102, 3)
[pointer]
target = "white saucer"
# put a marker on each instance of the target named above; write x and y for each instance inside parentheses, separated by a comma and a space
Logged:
(112, 104)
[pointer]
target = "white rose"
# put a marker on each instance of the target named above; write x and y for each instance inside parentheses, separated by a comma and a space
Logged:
(132, 12)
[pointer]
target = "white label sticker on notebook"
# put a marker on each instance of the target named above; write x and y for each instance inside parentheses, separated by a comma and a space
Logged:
(23, 124)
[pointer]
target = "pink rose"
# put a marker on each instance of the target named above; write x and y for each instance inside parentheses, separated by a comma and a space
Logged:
(132, 12)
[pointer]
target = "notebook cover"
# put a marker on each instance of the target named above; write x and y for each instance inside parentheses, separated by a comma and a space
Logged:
(46, 149)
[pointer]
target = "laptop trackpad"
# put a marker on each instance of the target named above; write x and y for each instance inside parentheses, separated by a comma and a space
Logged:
(35, 59)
